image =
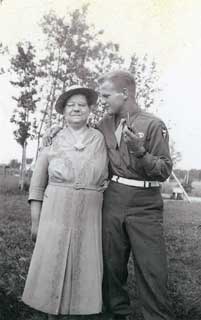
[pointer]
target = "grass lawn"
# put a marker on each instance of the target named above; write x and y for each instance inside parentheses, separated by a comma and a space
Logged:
(167, 187)
(183, 234)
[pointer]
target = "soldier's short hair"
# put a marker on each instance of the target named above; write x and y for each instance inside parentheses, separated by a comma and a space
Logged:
(121, 79)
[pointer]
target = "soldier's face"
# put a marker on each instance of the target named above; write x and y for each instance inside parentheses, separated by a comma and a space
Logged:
(111, 98)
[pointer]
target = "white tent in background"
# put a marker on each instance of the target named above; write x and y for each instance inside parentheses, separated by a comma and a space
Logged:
(181, 188)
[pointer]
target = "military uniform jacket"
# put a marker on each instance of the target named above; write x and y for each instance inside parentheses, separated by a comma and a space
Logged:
(155, 165)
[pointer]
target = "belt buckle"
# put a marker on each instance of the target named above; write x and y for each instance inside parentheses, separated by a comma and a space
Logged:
(117, 178)
(147, 184)
(78, 186)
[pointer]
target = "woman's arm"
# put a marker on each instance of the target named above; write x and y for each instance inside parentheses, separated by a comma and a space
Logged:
(35, 217)
(37, 188)
(39, 178)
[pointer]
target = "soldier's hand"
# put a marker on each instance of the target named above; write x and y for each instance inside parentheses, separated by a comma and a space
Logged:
(49, 135)
(133, 139)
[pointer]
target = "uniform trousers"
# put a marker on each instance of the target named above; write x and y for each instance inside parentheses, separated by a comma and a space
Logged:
(133, 221)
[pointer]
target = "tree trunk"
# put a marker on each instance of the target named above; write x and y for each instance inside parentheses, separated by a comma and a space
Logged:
(40, 129)
(54, 85)
(23, 167)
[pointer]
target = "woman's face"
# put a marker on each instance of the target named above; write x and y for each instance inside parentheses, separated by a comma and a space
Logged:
(76, 110)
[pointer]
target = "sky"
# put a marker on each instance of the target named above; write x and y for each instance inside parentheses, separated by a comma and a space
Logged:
(169, 31)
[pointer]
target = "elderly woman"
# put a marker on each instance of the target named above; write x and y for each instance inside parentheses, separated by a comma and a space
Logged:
(66, 192)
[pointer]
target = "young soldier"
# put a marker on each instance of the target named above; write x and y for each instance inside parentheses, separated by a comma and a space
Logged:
(138, 150)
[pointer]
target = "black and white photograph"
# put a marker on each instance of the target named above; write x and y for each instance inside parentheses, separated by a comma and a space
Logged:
(100, 162)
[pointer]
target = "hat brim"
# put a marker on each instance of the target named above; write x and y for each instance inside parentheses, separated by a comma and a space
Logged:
(90, 94)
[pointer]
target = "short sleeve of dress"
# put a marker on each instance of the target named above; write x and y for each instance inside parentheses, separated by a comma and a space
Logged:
(39, 178)
(101, 156)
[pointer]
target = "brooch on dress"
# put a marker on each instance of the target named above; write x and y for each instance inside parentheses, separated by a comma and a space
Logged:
(79, 146)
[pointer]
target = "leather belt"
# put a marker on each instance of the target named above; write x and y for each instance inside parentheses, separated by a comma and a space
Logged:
(136, 183)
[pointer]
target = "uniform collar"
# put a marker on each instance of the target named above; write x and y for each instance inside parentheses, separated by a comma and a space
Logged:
(133, 115)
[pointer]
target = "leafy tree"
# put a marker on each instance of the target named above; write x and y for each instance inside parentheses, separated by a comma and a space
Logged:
(195, 174)
(3, 51)
(147, 81)
(14, 164)
(23, 69)
(74, 54)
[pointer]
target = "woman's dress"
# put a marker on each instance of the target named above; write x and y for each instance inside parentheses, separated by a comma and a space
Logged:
(65, 274)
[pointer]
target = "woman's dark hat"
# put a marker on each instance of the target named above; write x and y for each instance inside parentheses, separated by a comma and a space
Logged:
(90, 94)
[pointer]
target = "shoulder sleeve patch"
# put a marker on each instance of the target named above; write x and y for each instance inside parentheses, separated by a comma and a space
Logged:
(164, 132)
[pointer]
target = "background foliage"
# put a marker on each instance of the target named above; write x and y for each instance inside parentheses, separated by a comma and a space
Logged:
(72, 52)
